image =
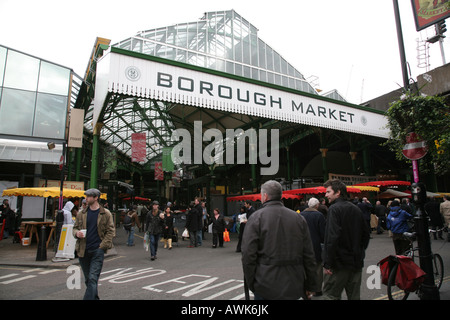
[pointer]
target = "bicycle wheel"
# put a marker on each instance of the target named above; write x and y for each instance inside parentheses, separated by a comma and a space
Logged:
(438, 270)
(394, 292)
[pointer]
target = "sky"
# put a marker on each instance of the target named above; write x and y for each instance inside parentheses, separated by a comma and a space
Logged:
(349, 45)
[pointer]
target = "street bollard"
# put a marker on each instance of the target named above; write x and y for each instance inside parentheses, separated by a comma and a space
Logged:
(42, 249)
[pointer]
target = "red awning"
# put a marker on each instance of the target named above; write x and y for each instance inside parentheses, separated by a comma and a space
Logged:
(137, 198)
(386, 183)
(318, 190)
(257, 197)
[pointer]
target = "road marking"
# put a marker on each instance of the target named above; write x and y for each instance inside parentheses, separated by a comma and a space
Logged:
(17, 279)
(9, 275)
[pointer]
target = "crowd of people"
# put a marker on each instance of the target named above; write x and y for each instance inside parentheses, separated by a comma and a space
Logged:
(286, 257)
(316, 249)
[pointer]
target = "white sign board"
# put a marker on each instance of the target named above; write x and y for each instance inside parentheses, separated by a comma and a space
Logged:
(138, 76)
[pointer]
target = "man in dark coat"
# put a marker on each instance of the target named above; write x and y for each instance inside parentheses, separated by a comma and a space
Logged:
(198, 207)
(316, 224)
(248, 212)
(192, 225)
(380, 212)
(277, 254)
(346, 239)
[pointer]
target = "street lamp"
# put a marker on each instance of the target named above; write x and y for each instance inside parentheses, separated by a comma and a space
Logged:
(60, 213)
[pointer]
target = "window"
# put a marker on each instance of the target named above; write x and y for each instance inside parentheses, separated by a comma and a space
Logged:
(50, 117)
(21, 71)
(2, 64)
(17, 111)
(53, 79)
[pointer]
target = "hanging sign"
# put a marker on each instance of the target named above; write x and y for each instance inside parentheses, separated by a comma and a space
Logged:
(427, 13)
(159, 173)
(138, 147)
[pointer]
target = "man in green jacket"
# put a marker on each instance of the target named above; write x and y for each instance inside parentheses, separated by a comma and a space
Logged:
(94, 230)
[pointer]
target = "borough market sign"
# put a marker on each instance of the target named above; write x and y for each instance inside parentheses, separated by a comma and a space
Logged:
(130, 73)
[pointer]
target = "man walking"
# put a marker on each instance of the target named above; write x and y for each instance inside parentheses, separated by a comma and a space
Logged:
(94, 230)
(346, 239)
(154, 227)
(277, 254)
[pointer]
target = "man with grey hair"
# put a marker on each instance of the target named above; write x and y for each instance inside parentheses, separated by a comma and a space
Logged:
(277, 254)
(316, 224)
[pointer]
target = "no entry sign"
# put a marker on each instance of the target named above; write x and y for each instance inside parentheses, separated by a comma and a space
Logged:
(415, 148)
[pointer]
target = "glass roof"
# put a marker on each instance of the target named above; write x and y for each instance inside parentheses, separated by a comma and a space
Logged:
(222, 41)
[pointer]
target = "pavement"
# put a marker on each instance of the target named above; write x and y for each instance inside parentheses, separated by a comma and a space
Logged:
(15, 254)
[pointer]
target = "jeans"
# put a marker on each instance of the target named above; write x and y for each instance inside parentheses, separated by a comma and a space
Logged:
(199, 238)
(340, 280)
(92, 264)
(193, 239)
(130, 233)
(154, 239)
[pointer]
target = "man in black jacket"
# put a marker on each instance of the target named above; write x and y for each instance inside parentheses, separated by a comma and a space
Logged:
(346, 239)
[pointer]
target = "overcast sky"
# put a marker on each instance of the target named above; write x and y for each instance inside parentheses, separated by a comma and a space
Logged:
(350, 45)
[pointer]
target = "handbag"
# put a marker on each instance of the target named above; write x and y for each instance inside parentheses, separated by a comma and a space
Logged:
(226, 236)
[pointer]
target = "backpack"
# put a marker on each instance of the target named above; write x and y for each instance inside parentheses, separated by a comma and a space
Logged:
(127, 222)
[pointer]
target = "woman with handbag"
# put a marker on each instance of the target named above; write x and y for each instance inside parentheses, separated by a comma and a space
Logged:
(218, 227)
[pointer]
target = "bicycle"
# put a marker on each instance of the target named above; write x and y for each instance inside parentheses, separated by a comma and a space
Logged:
(395, 293)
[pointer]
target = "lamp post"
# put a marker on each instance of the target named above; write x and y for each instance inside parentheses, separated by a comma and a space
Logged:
(60, 212)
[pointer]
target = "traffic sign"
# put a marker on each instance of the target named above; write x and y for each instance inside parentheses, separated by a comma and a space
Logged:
(415, 148)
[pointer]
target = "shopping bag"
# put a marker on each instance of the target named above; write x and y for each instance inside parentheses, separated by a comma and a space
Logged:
(185, 233)
(226, 236)
(146, 241)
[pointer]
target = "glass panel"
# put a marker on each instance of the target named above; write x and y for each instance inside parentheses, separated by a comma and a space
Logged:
(50, 119)
(254, 50)
(263, 75)
(230, 67)
(247, 72)
(21, 71)
(17, 112)
(2, 64)
(269, 53)
(255, 74)
(54, 79)
(246, 50)
(238, 69)
(262, 54)
(276, 58)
